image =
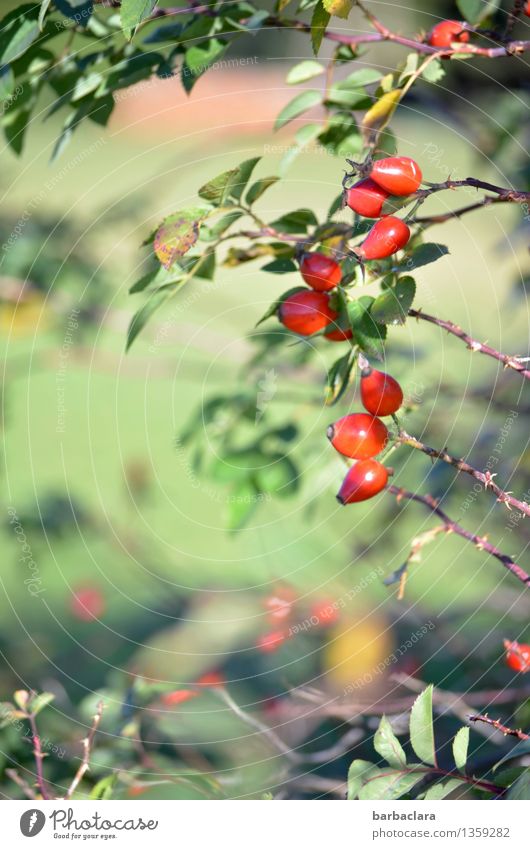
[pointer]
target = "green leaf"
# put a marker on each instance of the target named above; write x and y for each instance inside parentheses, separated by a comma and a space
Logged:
(319, 22)
(158, 277)
(424, 255)
(133, 12)
(295, 222)
(177, 234)
(198, 59)
(421, 727)
(358, 773)
(475, 11)
(442, 789)
(338, 8)
(21, 698)
(460, 746)
(244, 173)
(520, 789)
(434, 71)
(304, 71)
(388, 746)
(339, 376)
(40, 701)
(212, 233)
(216, 191)
(44, 6)
(140, 319)
(379, 115)
(300, 104)
(279, 476)
(367, 333)
(304, 136)
(18, 30)
(259, 187)
(103, 788)
(280, 266)
(393, 305)
(348, 98)
(7, 82)
(390, 784)
(242, 503)
(361, 78)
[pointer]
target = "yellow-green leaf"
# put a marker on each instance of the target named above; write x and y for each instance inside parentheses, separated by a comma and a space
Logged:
(379, 115)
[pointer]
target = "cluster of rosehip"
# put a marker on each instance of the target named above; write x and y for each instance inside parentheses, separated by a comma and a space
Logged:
(281, 609)
(310, 312)
(361, 436)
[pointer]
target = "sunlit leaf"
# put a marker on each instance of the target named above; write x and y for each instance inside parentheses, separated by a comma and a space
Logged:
(421, 727)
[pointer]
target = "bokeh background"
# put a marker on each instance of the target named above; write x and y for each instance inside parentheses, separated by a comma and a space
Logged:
(139, 577)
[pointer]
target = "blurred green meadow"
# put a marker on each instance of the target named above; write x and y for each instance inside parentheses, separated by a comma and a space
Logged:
(109, 498)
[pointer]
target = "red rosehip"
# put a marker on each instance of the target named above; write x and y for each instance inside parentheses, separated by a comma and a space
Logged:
(447, 32)
(211, 679)
(389, 235)
(363, 481)
(326, 612)
(321, 272)
(270, 642)
(381, 394)
(366, 198)
(339, 335)
(87, 603)
(397, 175)
(306, 313)
(178, 697)
(358, 435)
(526, 9)
(517, 655)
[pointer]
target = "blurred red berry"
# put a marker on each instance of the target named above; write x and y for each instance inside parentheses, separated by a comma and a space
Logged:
(517, 655)
(325, 611)
(278, 607)
(87, 603)
(178, 697)
(270, 642)
(447, 32)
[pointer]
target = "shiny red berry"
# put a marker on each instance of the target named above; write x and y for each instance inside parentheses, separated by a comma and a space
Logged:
(526, 9)
(517, 655)
(363, 481)
(381, 394)
(397, 175)
(447, 32)
(321, 272)
(387, 236)
(366, 198)
(270, 642)
(306, 312)
(358, 435)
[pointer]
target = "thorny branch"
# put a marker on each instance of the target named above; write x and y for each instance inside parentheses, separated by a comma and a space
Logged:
(496, 723)
(509, 361)
(485, 478)
(453, 527)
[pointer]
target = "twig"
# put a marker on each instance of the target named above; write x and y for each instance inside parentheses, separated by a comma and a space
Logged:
(38, 755)
(14, 776)
(495, 723)
(382, 33)
(474, 345)
(87, 748)
(453, 527)
(485, 478)
(267, 732)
